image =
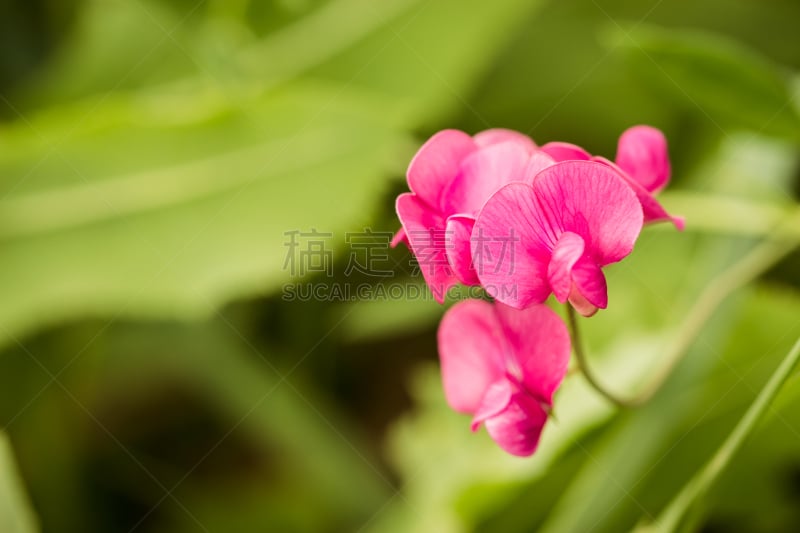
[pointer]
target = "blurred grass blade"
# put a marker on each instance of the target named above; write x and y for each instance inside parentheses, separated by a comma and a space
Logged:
(723, 215)
(730, 84)
(430, 56)
(16, 515)
(670, 519)
(335, 26)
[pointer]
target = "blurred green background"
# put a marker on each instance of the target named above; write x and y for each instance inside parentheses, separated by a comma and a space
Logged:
(155, 153)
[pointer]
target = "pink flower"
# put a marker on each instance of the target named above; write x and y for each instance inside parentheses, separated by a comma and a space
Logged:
(642, 161)
(450, 178)
(502, 366)
(556, 235)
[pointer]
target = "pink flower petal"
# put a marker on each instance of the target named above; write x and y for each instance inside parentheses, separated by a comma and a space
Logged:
(561, 151)
(399, 237)
(483, 172)
(518, 427)
(581, 304)
(470, 350)
(642, 153)
(589, 199)
(499, 135)
(494, 401)
(539, 344)
(566, 253)
(503, 365)
(537, 162)
(426, 233)
(582, 197)
(437, 163)
(651, 208)
(588, 279)
(509, 250)
(459, 255)
(654, 211)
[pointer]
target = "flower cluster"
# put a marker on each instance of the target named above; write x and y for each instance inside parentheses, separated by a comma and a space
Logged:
(523, 221)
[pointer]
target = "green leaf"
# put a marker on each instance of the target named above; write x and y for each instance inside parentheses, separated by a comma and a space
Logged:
(164, 202)
(430, 56)
(727, 82)
(337, 26)
(101, 52)
(671, 517)
(16, 515)
(723, 215)
(424, 55)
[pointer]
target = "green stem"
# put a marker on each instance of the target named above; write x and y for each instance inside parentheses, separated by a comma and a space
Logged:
(588, 373)
(671, 517)
(752, 265)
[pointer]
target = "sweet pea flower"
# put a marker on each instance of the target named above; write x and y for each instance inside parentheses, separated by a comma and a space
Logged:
(503, 365)
(642, 161)
(450, 178)
(555, 235)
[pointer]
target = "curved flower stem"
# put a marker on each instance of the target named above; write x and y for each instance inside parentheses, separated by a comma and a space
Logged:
(588, 373)
(755, 263)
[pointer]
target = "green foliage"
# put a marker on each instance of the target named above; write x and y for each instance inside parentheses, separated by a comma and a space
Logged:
(253, 420)
(197, 214)
(675, 514)
(153, 155)
(15, 512)
(171, 200)
(727, 82)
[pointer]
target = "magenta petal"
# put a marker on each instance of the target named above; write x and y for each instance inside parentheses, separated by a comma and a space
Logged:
(483, 172)
(399, 237)
(426, 233)
(654, 211)
(561, 151)
(537, 162)
(503, 365)
(642, 153)
(539, 344)
(651, 208)
(459, 231)
(499, 135)
(508, 251)
(518, 427)
(589, 199)
(437, 163)
(470, 350)
(494, 401)
(568, 250)
(589, 280)
(678, 221)
(581, 304)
